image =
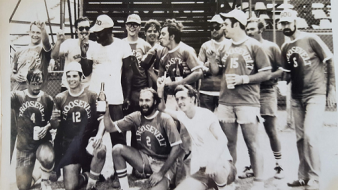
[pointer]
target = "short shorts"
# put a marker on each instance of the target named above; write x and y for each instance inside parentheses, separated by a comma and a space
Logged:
(268, 100)
(156, 165)
(209, 182)
(239, 114)
(24, 158)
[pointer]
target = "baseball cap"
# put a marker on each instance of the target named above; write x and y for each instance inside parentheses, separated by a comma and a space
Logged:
(217, 18)
(134, 18)
(288, 15)
(102, 22)
(239, 15)
(73, 66)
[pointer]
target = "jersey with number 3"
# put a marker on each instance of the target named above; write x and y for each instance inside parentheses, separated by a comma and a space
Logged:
(242, 58)
(31, 111)
(304, 58)
(77, 113)
(155, 136)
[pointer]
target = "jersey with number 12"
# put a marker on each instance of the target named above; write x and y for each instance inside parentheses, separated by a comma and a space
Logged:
(77, 112)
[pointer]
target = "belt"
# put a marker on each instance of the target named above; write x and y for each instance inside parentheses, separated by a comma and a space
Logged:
(267, 86)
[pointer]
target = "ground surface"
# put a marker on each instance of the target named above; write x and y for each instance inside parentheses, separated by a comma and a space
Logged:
(329, 156)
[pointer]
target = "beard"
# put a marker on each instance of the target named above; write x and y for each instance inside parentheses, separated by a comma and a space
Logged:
(148, 111)
(289, 32)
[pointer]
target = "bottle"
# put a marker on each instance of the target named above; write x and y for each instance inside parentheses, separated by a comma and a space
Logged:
(149, 59)
(101, 101)
(178, 76)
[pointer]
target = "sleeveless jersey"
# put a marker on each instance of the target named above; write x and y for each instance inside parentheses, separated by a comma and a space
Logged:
(242, 58)
(31, 111)
(78, 113)
(155, 136)
(202, 139)
(304, 58)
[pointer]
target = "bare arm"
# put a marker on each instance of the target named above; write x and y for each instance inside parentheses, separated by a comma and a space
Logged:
(56, 49)
(127, 75)
(44, 36)
(331, 92)
(160, 91)
(86, 64)
(276, 74)
(252, 79)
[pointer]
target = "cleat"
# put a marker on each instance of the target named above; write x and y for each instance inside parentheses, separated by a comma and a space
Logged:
(298, 183)
(247, 173)
(279, 172)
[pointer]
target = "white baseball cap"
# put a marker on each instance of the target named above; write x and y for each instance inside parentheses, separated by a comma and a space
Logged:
(73, 66)
(134, 18)
(217, 18)
(102, 22)
(238, 15)
(288, 15)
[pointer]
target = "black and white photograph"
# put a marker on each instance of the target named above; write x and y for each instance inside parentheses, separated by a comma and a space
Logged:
(168, 95)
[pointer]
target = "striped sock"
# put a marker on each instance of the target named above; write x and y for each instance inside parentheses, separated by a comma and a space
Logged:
(278, 156)
(123, 179)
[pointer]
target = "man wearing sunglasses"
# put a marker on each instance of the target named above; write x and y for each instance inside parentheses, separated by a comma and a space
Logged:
(139, 47)
(210, 85)
(70, 51)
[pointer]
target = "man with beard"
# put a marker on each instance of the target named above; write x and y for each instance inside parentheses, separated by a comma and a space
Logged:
(158, 143)
(70, 49)
(34, 109)
(111, 63)
(245, 67)
(139, 47)
(304, 58)
(210, 85)
(268, 94)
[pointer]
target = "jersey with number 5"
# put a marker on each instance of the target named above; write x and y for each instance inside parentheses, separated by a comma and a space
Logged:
(304, 57)
(242, 58)
(78, 112)
(30, 111)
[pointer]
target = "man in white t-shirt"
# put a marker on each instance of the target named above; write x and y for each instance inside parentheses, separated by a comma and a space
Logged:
(111, 63)
(208, 141)
(70, 49)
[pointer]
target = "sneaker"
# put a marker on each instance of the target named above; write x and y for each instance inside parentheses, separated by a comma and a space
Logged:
(312, 185)
(45, 184)
(247, 173)
(279, 172)
(298, 183)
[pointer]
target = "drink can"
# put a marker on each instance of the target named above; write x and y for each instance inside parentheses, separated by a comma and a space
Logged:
(36, 131)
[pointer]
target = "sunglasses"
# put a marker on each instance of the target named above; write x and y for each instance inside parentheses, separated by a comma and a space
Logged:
(81, 28)
(215, 28)
(134, 25)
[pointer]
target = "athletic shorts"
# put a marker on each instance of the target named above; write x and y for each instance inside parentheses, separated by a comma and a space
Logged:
(24, 158)
(156, 165)
(209, 182)
(268, 101)
(239, 114)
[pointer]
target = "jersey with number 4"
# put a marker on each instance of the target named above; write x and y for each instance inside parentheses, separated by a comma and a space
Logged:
(78, 113)
(155, 136)
(31, 111)
(304, 58)
(242, 58)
